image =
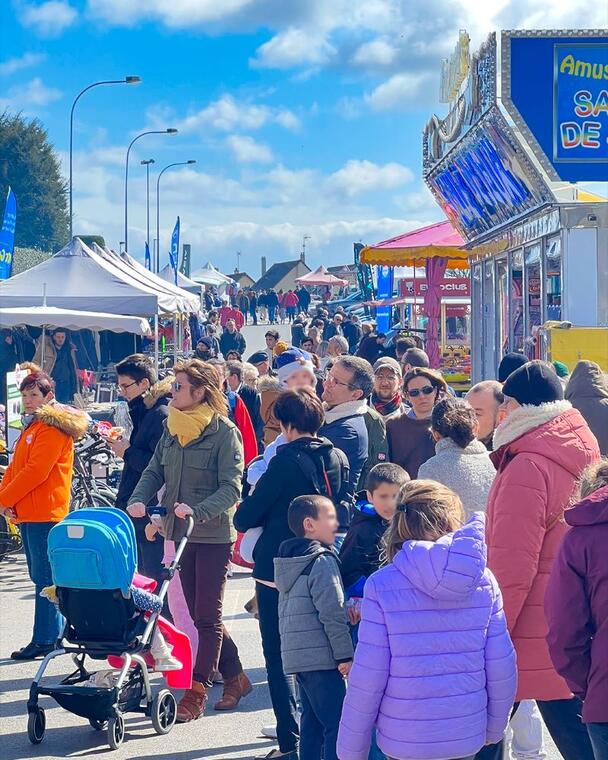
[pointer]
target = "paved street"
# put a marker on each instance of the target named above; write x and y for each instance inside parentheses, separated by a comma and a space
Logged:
(254, 335)
(216, 735)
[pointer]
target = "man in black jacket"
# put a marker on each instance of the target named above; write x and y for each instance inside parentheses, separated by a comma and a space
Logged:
(232, 340)
(148, 401)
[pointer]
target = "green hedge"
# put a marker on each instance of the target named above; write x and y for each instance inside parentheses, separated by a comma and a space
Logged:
(26, 258)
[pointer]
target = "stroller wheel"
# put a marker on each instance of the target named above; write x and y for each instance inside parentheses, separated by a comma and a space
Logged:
(36, 725)
(98, 725)
(164, 711)
(116, 731)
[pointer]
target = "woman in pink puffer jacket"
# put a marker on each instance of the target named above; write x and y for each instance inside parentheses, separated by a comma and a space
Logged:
(434, 669)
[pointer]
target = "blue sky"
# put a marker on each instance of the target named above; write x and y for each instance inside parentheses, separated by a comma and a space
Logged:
(304, 116)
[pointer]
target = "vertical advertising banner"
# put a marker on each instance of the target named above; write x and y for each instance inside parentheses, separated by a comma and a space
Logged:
(174, 253)
(7, 236)
(185, 265)
(364, 276)
(384, 289)
(147, 259)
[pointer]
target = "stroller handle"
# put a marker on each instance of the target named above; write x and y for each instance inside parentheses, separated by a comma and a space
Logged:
(162, 511)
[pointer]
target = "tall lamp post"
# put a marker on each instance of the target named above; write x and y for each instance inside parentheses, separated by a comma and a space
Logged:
(170, 131)
(304, 239)
(126, 80)
(178, 163)
(147, 163)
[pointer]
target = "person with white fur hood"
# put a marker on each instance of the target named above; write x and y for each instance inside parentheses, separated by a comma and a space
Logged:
(540, 450)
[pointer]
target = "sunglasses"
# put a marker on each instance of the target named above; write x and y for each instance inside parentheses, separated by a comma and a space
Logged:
(177, 386)
(426, 391)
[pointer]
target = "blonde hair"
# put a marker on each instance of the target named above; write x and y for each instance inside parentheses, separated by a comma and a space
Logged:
(250, 375)
(426, 511)
(593, 478)
(204, 375)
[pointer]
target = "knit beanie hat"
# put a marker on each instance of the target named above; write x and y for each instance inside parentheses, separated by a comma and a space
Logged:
(509, 363)
(534, 383)
(561, 369)
(292, 360)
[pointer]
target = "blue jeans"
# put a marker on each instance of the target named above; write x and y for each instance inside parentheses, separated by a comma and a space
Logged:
(598, 733)
(282, 687)
(48, 622)
(322, 693)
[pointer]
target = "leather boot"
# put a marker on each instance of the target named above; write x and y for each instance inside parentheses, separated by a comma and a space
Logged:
(192, 705)
(234, 690)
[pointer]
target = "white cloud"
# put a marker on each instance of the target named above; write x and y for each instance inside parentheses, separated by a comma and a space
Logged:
(227, 114)
(294, 48)
(247, 151)
(400, 89)
(379, 52)
(357, 177)
(26, 61)
(32, 94)
(171, 13)
(48, 19)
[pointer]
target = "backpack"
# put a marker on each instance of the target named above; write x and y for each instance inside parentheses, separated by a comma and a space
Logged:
(314, 470)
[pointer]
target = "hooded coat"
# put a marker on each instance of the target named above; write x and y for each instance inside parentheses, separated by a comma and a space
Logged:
(362, 548)
(434, 668)
(587, 391)
(312, 619)
(148, 413)
(540, 452)
(267, 506)
(576, 605)
(38, 480)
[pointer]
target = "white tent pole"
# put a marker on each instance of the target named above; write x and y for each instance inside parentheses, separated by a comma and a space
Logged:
(156, 341)
(43, 342)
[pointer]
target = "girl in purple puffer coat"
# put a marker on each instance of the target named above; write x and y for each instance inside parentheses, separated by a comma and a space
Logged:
(434, 670)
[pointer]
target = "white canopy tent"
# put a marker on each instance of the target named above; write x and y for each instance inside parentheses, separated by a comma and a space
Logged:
(185, 283)
(186, 301)
(52, 316)
(209, 275)
(79, 278)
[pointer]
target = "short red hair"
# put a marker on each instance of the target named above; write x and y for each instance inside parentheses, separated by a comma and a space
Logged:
(40, 380)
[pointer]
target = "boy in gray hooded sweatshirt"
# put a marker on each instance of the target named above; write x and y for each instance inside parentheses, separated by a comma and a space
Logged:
(315, 639)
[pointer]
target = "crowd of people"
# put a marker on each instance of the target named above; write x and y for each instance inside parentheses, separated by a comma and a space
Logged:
(429, 570)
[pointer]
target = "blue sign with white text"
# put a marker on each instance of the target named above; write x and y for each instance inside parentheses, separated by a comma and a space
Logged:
(7, 236)
(555, 87)
(384, 289)
(580, 126)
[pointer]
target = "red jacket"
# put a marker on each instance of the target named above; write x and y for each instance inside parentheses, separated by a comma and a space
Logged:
(540, 453)
(290, 300)
(228, 312)
(577, 606)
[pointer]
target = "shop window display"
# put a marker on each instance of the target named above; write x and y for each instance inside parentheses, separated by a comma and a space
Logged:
(517, 302)
(553, 278)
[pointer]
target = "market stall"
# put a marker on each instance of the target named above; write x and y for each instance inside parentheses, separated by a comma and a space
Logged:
(505, 173)
(439, 249)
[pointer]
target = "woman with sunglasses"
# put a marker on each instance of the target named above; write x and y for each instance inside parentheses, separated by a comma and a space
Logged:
(409, 436)
(199, 462)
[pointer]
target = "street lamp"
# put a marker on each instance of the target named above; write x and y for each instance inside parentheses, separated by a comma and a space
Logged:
(304, 239)
(178, 163)
(126, 80)
(170, 131)
(147, 163)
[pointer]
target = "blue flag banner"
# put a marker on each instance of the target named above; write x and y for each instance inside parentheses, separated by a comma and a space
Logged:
(147, 259)
(384, 289)
(7, 236)
(174, 254)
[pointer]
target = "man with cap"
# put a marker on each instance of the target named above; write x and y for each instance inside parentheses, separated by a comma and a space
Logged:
(204, 349)
(387, 398)
(540, 450)
(261, 362)
(509, 363)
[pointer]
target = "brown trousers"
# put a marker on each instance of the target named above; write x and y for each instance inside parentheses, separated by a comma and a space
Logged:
(203, 575)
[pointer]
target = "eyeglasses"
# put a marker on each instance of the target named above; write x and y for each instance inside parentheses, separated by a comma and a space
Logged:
(426, 391)
(334, 381)
(176, 385)
(124, 388)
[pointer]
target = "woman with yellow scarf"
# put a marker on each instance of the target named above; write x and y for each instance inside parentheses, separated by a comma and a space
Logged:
(199, 461)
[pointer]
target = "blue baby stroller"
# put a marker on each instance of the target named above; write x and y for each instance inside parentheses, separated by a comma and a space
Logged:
(93, 556)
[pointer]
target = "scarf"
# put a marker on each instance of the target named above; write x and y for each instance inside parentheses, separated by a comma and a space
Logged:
(347, 409)
(527, 418)
(187, 426)
(387, 407)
